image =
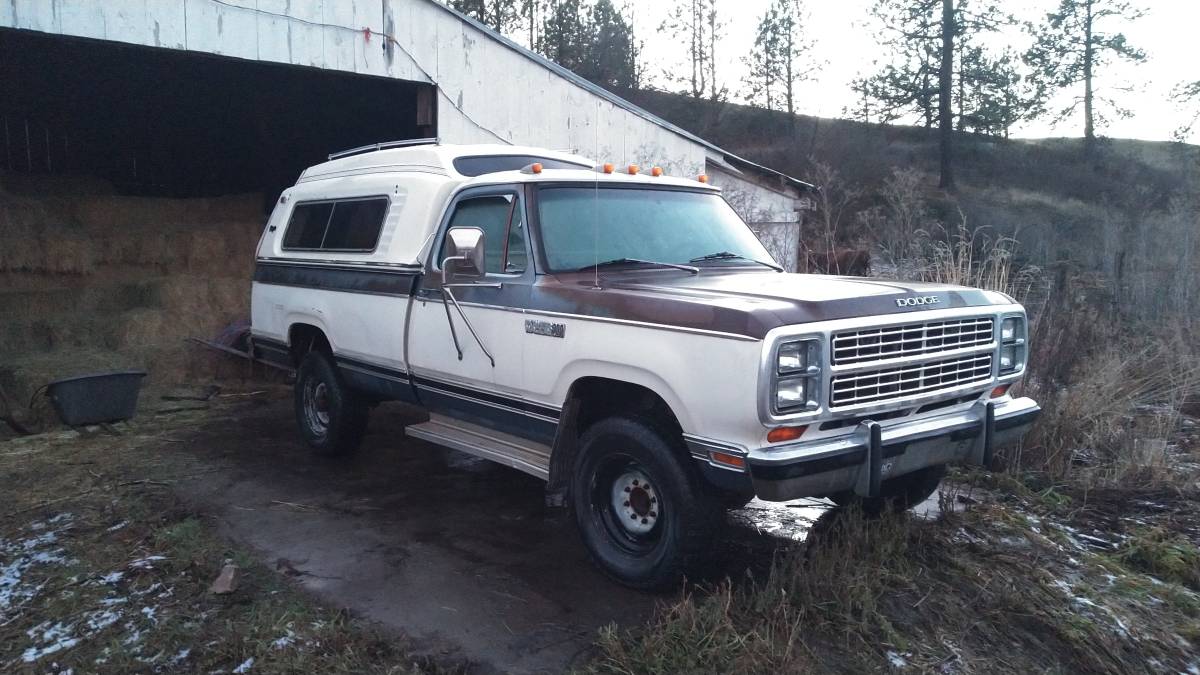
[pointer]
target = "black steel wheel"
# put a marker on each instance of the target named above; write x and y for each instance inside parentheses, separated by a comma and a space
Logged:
(331, 417)
(641, 507)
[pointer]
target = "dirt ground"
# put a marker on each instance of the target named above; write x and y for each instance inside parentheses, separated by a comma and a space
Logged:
(458, 555)
(412, 558)
(454, 552)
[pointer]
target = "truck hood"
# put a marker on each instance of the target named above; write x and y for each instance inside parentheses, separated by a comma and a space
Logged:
(748, 303)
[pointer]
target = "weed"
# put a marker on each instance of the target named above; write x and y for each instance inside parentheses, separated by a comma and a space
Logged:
(1171, 557)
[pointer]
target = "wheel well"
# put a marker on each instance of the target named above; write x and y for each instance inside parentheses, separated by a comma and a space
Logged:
(590, 400)
(304, 338)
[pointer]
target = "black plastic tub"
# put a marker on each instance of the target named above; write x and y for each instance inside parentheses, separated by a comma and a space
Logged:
(96, 398)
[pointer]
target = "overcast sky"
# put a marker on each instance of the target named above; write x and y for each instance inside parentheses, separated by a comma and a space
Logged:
(1169, 33)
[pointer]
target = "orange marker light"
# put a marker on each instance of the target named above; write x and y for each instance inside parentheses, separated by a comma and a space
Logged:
(609, 168)
(1000, 391)
(656, 171)
(633, 169)
(702, 178)
(536, 167)
(727, 459)
(781, 434)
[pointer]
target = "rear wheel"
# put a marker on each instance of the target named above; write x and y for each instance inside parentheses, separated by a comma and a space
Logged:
(332, 418)
(641, 509)
(898, 494)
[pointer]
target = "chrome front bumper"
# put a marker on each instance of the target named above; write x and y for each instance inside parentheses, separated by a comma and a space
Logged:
(873, 452)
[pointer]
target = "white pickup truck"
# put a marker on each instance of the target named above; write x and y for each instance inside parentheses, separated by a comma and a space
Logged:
(624, 336)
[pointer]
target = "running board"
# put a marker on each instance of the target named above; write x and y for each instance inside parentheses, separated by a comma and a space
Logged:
(507, 449)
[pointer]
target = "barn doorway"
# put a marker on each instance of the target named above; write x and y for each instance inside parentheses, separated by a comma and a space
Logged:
(134, 184)
(182, 124)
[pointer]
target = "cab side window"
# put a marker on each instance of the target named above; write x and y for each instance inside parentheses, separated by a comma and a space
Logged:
(348, 225)
(503, 225)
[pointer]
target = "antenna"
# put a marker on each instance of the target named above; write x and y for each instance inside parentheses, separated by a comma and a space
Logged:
(596, 211)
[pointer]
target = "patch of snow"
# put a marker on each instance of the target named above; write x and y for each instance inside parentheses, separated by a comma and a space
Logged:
(896, 659)
(118, 526)
(101, 619)
(38, 550)
(57, 637)
(112, 577)
(180, 657)
(246, 666)
(149, 612)
(285, 641)
(146, 563)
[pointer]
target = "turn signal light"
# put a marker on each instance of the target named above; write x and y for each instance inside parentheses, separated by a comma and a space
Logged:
(703, 178)
(633, 169)
(1000, 391)
(727, 459)
(656, 171)
(781, 434)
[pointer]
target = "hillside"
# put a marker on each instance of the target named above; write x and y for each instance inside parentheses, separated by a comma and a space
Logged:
(866, 153)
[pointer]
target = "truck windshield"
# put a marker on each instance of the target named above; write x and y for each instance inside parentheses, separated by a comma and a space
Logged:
(582, 226)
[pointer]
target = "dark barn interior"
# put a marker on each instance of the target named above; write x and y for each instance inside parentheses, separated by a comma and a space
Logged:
(181, 124)
(134, 183)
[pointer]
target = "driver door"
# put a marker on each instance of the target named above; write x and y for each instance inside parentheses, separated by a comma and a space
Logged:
(469, 386)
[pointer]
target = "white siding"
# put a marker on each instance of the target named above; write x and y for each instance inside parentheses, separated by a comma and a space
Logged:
(772, 214)
(487, 90)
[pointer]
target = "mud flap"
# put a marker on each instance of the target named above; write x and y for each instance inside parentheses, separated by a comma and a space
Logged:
(870, 475)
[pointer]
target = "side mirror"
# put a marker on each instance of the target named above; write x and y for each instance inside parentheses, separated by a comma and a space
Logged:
(464, 251)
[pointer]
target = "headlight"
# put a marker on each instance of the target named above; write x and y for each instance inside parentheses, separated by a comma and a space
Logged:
(797, 376)
(791, 393)
(1012, 344)
(793, 357)
(1008, 329)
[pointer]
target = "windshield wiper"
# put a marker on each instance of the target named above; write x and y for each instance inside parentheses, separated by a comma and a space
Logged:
(729, 255)
(637, 261)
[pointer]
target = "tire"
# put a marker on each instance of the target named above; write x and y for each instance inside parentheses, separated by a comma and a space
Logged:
(897, 494)
(672, 516)
(331, 417)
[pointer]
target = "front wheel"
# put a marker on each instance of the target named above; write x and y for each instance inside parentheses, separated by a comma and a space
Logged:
(897, 494)
(640, 506)
(332, 418)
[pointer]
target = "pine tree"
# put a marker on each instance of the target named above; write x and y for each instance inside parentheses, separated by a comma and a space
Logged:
(1187, 94)
(781, 56)
(697, 23)
(995, 94)
(564, 36)
(1071, 47)
(501, 16)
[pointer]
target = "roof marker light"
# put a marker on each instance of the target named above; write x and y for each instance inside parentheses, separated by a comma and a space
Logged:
(609, 168)
(702, 178)
(633, 169)
(536, 167)
(656, 171)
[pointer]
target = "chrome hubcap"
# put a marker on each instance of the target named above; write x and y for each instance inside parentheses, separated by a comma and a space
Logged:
(635, 502)
(316, 405)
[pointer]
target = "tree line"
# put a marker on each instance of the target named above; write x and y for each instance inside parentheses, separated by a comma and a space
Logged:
(935, 65)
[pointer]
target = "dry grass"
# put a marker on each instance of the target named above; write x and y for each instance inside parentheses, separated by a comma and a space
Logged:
(996, 589)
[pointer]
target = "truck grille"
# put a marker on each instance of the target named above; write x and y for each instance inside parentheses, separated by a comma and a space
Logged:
(874, 344)
(909, 380)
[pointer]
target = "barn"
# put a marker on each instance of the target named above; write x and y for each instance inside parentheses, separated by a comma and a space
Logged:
(144, 143)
